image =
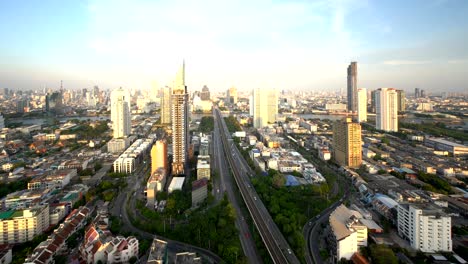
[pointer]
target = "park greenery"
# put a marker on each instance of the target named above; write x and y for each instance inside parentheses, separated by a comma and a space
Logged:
(212, 228)
(6, 188)
(232, 124)
(106, 190)
(87, 131)
(380, 254)
(434, 183)
(291, 207)
(206, 124)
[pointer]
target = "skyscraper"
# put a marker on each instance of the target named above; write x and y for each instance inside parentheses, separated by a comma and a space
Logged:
(401, 101)
(232, 95)
(205, 93)
(166, 105)
(265, 106)
(179, 123)
(416, 93)
(386, 100)
(362, 104)
(120, 113)
(347, 144)
(352, 87)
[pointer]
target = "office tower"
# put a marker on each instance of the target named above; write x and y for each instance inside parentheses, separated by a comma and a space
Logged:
(120, 113)
(159, 156)
(166, 105)
(232, 95)
(179, 123)
(422, 93)
(352, 87)
(265, 106)
(54, 102)
(373, 101)
(22, 106)
(426, 227)
(362, 104)
(401, 100)
(2, 122)
(205, 94)
(386, 100)
(347, 144)
(416, 93)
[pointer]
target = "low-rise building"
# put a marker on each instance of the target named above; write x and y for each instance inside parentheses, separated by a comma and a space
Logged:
(426, 227)
(158, 252)
(203, 169)
(176, 184)
(347, 233)
(199, 191)
(445, 145)
(54, 180)
(6, 255)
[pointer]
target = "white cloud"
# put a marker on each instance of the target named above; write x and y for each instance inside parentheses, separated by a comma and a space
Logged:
(406, 62)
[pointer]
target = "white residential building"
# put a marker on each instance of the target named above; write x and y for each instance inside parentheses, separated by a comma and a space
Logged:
(362, 104)
(386, 101)
(264, 106)
(120, 113)
(347, 232)
(426, 227)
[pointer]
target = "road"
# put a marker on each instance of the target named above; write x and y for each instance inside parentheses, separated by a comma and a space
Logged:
(312, 228)
(274, 241)
(119, 209)
(224, 184)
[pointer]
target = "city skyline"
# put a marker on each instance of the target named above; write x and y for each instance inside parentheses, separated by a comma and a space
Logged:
(114, 44)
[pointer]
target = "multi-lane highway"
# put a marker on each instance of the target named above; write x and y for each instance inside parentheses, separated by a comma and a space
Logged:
(224, 185)
(274, 241)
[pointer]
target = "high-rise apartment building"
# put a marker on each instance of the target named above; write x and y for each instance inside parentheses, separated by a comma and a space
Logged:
(362, 105)
(416, 93)
(231, 95)
(180, 126)
(352, 87)
(401, 101)
(166, 105)
(372, 105)
(120, 113)
(347, 143)
(265, 106)
(205, 94)
(159, 156)
(422, 93)
(386, 100)
(426, 228)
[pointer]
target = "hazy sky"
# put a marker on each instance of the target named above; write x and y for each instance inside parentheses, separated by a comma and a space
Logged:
(247, 43)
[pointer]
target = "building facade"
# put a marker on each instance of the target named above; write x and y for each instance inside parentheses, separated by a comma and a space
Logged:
(347, 143)
(159, 156)
(19, 226)
(362, 105)
(425, 227)
(401, 101)
(166, 105)
(265, 106)
(231, 95)
(386, 100)
(179, 123)
(120, 113)
(352, 87)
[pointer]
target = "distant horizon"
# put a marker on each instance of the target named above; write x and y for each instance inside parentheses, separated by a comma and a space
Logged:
(290, 45)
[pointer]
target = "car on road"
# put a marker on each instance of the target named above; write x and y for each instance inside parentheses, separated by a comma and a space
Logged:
(289, 251)
(255, 198)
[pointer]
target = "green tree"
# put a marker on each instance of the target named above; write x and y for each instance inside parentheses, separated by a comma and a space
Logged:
(381, 254)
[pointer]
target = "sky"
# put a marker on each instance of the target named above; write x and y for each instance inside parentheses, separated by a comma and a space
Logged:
(290, 45)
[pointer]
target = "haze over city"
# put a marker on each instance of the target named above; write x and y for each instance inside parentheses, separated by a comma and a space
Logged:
(295, 45)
